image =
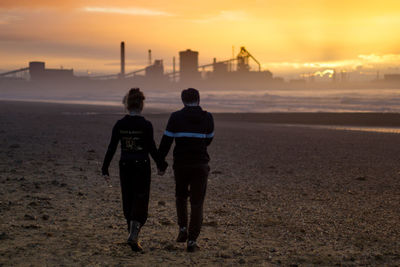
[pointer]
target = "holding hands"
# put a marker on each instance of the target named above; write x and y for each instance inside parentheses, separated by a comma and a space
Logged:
(161, 167)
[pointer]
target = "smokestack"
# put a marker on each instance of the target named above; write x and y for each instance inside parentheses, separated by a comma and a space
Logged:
(122, 60)
(173, 66)
(150, 61)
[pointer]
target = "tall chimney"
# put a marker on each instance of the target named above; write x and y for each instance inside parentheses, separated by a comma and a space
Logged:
(173, 67)
(122, 60)
(150, 61)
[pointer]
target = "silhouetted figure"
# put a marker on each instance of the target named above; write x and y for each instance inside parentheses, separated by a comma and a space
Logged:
(136, 136)
(193, 130)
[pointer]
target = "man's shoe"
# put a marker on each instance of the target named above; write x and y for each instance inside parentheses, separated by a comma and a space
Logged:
(192, 246)
(183, 235)
(133, 239)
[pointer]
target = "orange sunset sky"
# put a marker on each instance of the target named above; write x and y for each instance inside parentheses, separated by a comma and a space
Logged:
(284, 35)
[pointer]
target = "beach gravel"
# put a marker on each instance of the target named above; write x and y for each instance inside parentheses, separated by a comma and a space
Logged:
(277, 195)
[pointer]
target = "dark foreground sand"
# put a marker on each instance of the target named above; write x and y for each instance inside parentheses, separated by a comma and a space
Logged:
(276, 195)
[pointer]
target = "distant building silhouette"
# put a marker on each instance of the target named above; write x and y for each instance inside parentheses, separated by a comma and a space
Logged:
(392, 77)
(334, 76)
(188, 65)
(220, 68)
(38, 72)
(155, 71)
(343, 76)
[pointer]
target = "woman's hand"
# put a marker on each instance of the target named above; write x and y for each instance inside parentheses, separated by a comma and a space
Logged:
(106, 176)
(107, 179)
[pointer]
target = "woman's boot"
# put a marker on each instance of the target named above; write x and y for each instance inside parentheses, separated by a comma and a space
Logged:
(133, 239)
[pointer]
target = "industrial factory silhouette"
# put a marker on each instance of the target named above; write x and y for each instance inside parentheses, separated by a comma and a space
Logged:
(232, 72)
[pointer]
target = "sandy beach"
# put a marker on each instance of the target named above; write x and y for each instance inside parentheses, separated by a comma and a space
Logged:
(277, 194)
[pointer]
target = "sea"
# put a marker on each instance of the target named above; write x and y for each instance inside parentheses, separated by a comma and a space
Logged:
(274, 100)
(247, 101)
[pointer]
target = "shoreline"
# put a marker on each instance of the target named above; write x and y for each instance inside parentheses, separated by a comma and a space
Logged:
(327, 120)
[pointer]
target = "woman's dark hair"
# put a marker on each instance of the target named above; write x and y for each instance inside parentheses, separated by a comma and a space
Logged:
(133, 100)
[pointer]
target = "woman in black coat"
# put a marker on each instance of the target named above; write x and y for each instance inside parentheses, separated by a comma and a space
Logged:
(136, 136)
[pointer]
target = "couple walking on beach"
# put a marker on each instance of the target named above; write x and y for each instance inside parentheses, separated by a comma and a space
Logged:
(193, 130)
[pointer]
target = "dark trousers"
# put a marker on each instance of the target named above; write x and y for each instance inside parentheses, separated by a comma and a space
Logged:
(190, 181)
(135, 177)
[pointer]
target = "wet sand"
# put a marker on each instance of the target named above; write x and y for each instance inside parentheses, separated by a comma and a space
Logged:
(277, 195)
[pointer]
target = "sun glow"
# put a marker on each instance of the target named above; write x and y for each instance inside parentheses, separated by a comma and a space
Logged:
(283, 35)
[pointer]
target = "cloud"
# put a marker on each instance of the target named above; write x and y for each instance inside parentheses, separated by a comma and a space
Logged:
(134, 11)
(225, 15)
(7, 19)
(6, 4)
(368, 62)
(388, 58)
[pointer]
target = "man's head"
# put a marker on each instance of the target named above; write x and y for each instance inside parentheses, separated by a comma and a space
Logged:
(190, 97)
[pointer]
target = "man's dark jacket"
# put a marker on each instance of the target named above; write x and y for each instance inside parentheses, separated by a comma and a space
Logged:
(193, 130)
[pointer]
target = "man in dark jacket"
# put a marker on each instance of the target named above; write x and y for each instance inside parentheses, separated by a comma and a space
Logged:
(193, 130)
